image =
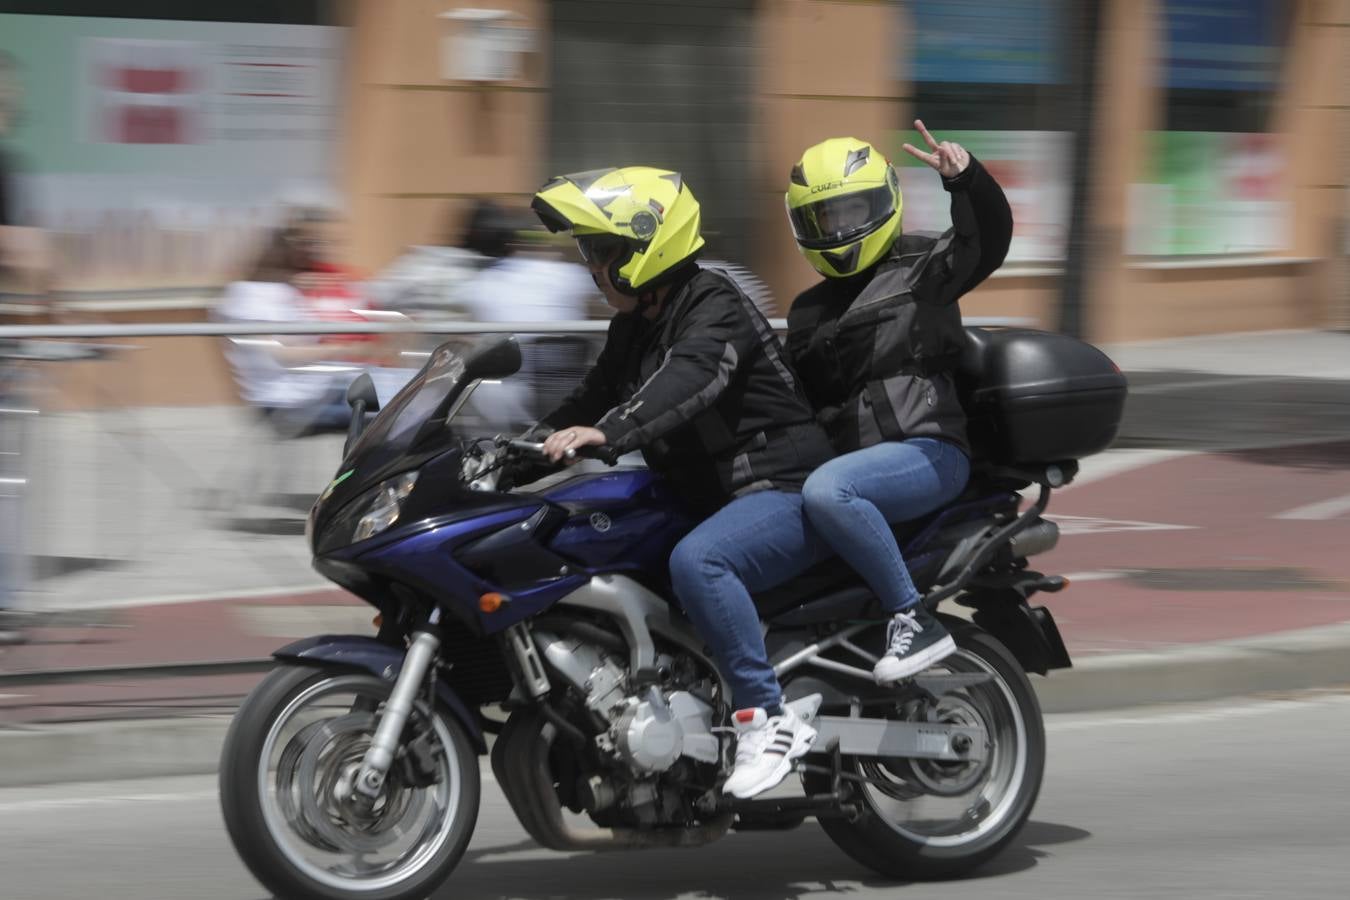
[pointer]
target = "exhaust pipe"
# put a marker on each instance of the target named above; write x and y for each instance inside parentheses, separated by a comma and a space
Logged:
(1040, 536)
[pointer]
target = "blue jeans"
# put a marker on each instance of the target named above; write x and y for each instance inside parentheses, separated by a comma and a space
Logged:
(752, 544)
(851, 499)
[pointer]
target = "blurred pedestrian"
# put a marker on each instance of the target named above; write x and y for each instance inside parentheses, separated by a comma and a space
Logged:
(524, 282)
(24, 271)
(298, 382)
(424, 281)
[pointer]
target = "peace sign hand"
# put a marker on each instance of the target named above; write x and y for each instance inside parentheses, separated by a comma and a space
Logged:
(947, 158)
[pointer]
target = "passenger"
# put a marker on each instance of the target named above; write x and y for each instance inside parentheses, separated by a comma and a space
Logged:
(875, 344)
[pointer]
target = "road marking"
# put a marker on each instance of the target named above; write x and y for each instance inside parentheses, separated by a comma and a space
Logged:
(1082, 577)
(1319, 511)
(1225, 381)
(306, 589)
(116, 800)
(1066, 722)
(57, 803)
(1094, 525)
(1118, 462)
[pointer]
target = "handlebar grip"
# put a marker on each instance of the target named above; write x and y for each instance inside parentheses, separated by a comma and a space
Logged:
(607, 455)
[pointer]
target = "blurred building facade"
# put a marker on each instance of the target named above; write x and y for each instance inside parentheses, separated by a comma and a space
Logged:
(1217, 179)
(1216, 192)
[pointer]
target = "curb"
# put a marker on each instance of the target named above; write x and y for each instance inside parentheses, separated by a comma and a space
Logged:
(1293, 660)
(1289, 660)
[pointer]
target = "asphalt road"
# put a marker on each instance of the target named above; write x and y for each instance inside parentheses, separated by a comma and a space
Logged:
(1239, 800)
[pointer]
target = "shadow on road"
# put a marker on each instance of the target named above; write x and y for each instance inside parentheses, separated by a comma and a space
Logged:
(753, 866)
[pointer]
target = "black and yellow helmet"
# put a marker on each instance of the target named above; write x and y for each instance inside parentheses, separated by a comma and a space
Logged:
(844, 203)
(646, 220)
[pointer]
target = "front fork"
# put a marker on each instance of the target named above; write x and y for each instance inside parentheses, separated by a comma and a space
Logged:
(380, 755)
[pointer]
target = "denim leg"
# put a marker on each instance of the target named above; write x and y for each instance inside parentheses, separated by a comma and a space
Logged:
(851, 500)
(751, 544)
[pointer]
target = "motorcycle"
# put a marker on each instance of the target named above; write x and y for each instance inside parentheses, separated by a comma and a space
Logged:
(543, 618)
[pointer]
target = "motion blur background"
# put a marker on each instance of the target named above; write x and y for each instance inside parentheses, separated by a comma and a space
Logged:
(1178, 173)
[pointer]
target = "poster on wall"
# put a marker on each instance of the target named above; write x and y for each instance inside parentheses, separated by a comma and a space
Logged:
(157, 151)
(1209, 193)
(1024, 162)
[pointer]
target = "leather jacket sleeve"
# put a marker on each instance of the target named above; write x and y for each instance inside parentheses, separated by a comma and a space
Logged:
(710, 341)
(977, 243)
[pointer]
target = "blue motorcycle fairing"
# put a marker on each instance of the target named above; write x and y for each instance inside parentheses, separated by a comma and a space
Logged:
(629, 519)
(426, 562)
(381, 660)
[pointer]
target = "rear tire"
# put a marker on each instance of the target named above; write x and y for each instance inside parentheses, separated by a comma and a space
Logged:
(251, 795)
(898, 852)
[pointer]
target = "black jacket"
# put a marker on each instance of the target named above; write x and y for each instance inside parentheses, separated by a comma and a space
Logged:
(876, 352)
(705, 391)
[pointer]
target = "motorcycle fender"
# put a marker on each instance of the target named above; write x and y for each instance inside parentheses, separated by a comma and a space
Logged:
(1028, 631)
(353, 651)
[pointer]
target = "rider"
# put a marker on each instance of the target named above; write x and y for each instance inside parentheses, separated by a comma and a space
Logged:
(692, 375)
(876, 343)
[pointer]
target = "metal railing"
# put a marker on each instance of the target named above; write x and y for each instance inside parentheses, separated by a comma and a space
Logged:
(450, 327)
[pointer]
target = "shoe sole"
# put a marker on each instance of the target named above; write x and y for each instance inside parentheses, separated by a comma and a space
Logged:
(913, 665)
(800, 745)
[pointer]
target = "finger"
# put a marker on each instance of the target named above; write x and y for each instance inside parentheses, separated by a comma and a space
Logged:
(918, 123)
(915, 152)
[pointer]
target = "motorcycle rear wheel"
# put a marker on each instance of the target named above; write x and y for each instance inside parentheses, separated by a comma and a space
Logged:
(984, 805)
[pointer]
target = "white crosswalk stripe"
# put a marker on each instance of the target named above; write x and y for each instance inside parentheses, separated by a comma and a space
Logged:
(1319, 511)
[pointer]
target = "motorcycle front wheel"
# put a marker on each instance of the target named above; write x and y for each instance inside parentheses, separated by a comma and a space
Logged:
(287, 769)
(926, 819)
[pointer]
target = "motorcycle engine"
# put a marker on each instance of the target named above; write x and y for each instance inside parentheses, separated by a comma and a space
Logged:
(655, 732)
(649, 731)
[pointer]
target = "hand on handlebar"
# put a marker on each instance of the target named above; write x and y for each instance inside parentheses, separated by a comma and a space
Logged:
(565, 442)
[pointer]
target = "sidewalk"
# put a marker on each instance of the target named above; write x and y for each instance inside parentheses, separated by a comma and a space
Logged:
(1207, 560)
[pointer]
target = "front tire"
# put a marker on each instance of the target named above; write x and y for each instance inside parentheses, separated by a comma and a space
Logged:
(284, 792)
(891, 836)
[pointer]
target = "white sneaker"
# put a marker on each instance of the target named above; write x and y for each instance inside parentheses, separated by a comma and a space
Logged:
(915, 640)
(765, 749)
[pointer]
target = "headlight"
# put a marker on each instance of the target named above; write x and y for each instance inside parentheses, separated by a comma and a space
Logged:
(383, 508)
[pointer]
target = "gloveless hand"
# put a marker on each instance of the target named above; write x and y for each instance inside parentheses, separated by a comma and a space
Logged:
(573, 438)
(947, 158)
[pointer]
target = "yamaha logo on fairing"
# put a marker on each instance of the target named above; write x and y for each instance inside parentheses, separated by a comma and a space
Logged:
(600, 522)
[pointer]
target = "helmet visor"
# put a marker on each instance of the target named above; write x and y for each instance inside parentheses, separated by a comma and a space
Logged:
(839, 220)
(600, 249)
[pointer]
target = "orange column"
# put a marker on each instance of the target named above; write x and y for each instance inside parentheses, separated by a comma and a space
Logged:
(419, 148)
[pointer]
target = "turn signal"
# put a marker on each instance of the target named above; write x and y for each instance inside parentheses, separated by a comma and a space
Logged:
(490, 603)
(378, 621)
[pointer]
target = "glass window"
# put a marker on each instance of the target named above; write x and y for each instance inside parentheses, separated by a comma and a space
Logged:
(1211, 178)
(992, 76)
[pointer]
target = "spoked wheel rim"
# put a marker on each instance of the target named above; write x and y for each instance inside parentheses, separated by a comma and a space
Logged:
(948, 805)
(305, 771)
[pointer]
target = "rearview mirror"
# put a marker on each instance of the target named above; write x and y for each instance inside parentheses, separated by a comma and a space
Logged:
(500, 359)
(362, 389)
(362, 398)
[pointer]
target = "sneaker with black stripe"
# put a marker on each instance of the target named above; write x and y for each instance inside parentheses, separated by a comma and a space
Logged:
(765, 748)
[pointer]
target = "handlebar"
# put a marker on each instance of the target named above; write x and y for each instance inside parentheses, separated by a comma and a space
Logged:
(606, 455)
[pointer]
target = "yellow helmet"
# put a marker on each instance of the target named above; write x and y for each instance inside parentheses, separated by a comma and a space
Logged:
(646, 220)
(844, 204)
